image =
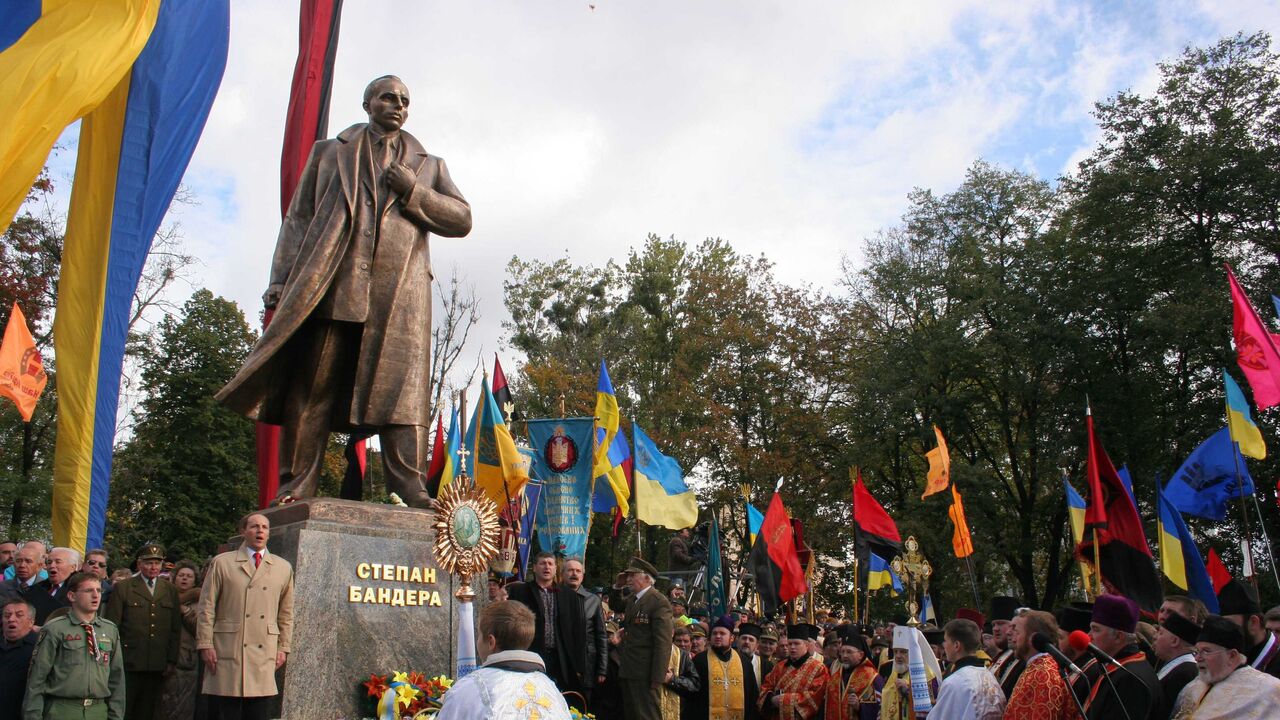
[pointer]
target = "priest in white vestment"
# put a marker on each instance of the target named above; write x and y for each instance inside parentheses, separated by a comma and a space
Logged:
(510, 683)
(1227, 688)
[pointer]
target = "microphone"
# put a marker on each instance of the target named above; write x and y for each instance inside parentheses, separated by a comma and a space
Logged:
(1080, 642)
(1042, 643)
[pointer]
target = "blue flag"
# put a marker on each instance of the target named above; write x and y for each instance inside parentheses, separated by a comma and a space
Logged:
(1276, 301)
(1127, 481)
(716, 605)
(1180, 559)
(1207, 481)
(562, 458)
(528, 517)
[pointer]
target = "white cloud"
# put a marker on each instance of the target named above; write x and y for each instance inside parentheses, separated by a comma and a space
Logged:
(788, 129)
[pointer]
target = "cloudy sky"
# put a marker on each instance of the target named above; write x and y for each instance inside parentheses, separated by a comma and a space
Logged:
(793, 129)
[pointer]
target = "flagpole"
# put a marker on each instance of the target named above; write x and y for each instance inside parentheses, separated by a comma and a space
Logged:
(1097, 560)
(855, 586)
(1244, 513)
(973, 581)
(1266, 538)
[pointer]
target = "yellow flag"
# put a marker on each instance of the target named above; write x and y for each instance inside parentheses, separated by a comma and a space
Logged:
(939, 466)
(22, 376)
(961, 542)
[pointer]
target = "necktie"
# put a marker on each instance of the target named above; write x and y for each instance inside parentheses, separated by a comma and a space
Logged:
(53, 592)
(257, 559)
(151, 586)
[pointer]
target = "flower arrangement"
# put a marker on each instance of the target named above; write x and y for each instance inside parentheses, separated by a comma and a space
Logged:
(413, 696)
(405, 695)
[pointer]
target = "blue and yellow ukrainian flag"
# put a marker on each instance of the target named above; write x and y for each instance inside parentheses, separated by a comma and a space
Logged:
(1075, 512)
(1179, 558)
(453, 443)
(1244, 432)
(59, 59)
(755, 519)
(882, 575)
(612, 454)
(146, 72)
(662, 497)
(494, 463)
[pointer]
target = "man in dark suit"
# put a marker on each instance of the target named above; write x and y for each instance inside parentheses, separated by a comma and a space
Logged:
(1174, 645)
(646, 643)
(146, 609)
(597, 663)
(51, 594)
(560, 637)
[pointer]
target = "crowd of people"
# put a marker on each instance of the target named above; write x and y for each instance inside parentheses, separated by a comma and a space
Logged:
(161, 638)
(166, 639)
(633, 652)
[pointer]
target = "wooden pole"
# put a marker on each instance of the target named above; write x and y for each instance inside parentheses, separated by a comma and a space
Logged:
(1248, 532)
(1097, 560)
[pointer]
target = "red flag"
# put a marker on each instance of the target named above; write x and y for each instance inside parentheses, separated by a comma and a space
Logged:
(773, 560)
(1218, 572)
(1256, 350)
(501, 391)
(306, 121)
(1112, 520)
(438, 452)
(873, 529)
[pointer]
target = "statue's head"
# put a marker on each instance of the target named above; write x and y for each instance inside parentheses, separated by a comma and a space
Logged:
(386, 99)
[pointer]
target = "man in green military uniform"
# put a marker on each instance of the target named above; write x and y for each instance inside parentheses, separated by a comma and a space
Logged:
(646, 643)
(77, 671)
(147, 610)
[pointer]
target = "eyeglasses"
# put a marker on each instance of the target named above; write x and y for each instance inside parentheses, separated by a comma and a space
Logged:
(1198, 653)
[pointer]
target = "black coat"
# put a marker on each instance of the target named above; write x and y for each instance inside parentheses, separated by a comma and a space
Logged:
(46, 601)
(571, 633)
(698, 708)
(597, 638)
(1271, 664)
(1172, 684)
(1138, 690)
(15, 658)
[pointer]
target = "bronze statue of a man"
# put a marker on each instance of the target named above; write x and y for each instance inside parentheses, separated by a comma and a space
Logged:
(349, 346)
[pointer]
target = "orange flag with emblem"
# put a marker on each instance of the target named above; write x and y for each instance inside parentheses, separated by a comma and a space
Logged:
(22, 376)
(939, 466)
(960, 540)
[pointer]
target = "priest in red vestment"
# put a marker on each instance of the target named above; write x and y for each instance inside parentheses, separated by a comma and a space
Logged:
(794, 688)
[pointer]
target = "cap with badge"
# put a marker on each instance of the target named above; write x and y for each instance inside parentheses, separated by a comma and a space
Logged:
(640, 565)
(769, 634)
(151, 551)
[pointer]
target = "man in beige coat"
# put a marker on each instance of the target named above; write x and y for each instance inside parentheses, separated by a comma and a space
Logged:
(244, 625)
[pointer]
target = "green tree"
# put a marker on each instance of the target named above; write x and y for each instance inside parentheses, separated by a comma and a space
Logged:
(188, 472)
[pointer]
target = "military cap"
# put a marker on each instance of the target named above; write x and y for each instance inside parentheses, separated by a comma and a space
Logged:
(769, 634)
(640, 565)
(696, 630)
(150, 551)
(611, 627)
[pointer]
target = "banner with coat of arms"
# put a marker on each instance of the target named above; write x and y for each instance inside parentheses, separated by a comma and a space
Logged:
(562, 459)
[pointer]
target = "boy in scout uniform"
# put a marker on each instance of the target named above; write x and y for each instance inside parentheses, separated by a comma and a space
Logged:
(646, 643)
(77, 671)
(149, 615)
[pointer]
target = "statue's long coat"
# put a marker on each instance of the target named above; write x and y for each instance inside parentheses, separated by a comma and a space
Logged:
(345, 253)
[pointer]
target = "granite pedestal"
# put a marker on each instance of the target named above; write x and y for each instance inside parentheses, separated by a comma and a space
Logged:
(368, 598)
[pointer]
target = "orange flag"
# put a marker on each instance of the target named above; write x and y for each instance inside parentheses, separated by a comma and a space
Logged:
(960, 540)
(22, 376)
(939, 467)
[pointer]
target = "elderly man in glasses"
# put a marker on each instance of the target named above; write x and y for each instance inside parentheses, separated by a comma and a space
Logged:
(1227, 687)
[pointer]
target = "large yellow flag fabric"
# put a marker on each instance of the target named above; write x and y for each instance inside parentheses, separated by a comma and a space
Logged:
(961, 542)
(939, 466)
(55, 67)
(22, 376)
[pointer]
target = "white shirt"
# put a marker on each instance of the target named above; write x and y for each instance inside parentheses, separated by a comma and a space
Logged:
(970, 693)
(493, 693)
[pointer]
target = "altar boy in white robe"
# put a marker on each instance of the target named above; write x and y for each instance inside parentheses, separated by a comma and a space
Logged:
(970, 692)
(510, 683)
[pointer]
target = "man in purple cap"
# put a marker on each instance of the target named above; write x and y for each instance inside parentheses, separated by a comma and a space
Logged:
(1117, 692)
(727, 688)
(1226, 688)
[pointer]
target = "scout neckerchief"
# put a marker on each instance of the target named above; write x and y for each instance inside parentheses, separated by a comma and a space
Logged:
(91, 642)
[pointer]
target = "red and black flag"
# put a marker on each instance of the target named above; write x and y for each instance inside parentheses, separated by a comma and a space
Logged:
(773, 560)
(435, 469)
(501, 391)
(1127, 567)
(873, 529)
(306, 121)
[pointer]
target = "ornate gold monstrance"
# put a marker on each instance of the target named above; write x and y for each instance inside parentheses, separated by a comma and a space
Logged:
(914, 570)
(466, 526)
